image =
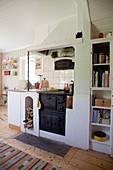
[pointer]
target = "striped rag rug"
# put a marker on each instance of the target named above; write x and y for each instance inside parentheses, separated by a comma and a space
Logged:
(3, 117)
(13, 159)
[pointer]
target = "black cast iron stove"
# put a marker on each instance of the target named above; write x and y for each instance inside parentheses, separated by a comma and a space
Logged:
(52, 113)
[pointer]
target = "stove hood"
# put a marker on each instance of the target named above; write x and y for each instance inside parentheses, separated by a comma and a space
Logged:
(59, 53)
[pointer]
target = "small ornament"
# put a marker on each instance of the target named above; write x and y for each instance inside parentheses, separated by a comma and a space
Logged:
(101, 35)
(110, 34)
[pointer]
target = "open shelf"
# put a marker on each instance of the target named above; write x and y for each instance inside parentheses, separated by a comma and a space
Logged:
(107, 142)
(101, 64)
(101, 40)
(9, 68)
(9, 63)
(101, 107)
(101, 88)
(99, 124)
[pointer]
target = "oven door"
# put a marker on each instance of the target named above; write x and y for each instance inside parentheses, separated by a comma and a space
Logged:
(48, 102)
(52, 122)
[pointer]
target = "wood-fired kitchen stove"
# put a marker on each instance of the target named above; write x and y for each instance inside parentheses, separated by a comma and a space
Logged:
(52, 113)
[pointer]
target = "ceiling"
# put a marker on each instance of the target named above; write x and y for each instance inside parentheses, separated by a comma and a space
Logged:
(20, 18)
(101, 15)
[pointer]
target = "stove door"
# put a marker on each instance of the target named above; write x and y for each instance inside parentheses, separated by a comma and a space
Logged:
(55, 122)
(58, 125)
(45, 122)
(52, 122)
(48, 102)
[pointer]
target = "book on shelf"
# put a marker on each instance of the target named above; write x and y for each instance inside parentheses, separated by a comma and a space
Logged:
(92, 116)
(93, 79)
(106, 79)
(93, 99)
(96, 79)
(100, 71)
(96, 116)
(103, 79)
(95, 58)
(109, 78)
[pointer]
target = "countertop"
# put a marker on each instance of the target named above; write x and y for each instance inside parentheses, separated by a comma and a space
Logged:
(41, 91)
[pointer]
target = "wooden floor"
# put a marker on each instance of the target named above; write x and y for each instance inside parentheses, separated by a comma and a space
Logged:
(74, 159)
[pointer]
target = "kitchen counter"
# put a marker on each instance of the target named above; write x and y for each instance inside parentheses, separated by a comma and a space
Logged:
(41, 91)
(54, 92)
(30, 90)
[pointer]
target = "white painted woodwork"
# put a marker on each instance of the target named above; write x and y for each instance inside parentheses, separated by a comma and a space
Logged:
(98, 146)
(52, 136)
(77, 122)
(34, 96)
(78, 119)
(107, 146)
(14, 108)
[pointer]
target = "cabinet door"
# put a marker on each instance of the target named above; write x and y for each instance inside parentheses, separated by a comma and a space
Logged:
(14, 108)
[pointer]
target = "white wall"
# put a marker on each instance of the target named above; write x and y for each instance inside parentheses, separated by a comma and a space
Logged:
(78, 118)
(56, 78)
(57, 32)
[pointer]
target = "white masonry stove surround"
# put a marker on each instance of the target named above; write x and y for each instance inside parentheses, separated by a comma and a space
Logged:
(29, 101)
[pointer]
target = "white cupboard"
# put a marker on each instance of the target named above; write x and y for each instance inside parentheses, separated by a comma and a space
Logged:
(14, 108)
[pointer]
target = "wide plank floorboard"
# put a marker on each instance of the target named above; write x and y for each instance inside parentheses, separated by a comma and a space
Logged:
(75, 158)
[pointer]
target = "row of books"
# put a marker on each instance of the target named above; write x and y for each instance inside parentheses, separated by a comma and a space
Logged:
(100, 78)
(99, 115)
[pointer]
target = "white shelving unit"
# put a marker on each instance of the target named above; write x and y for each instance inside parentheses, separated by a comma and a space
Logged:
(10, 69)
(101, 88)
